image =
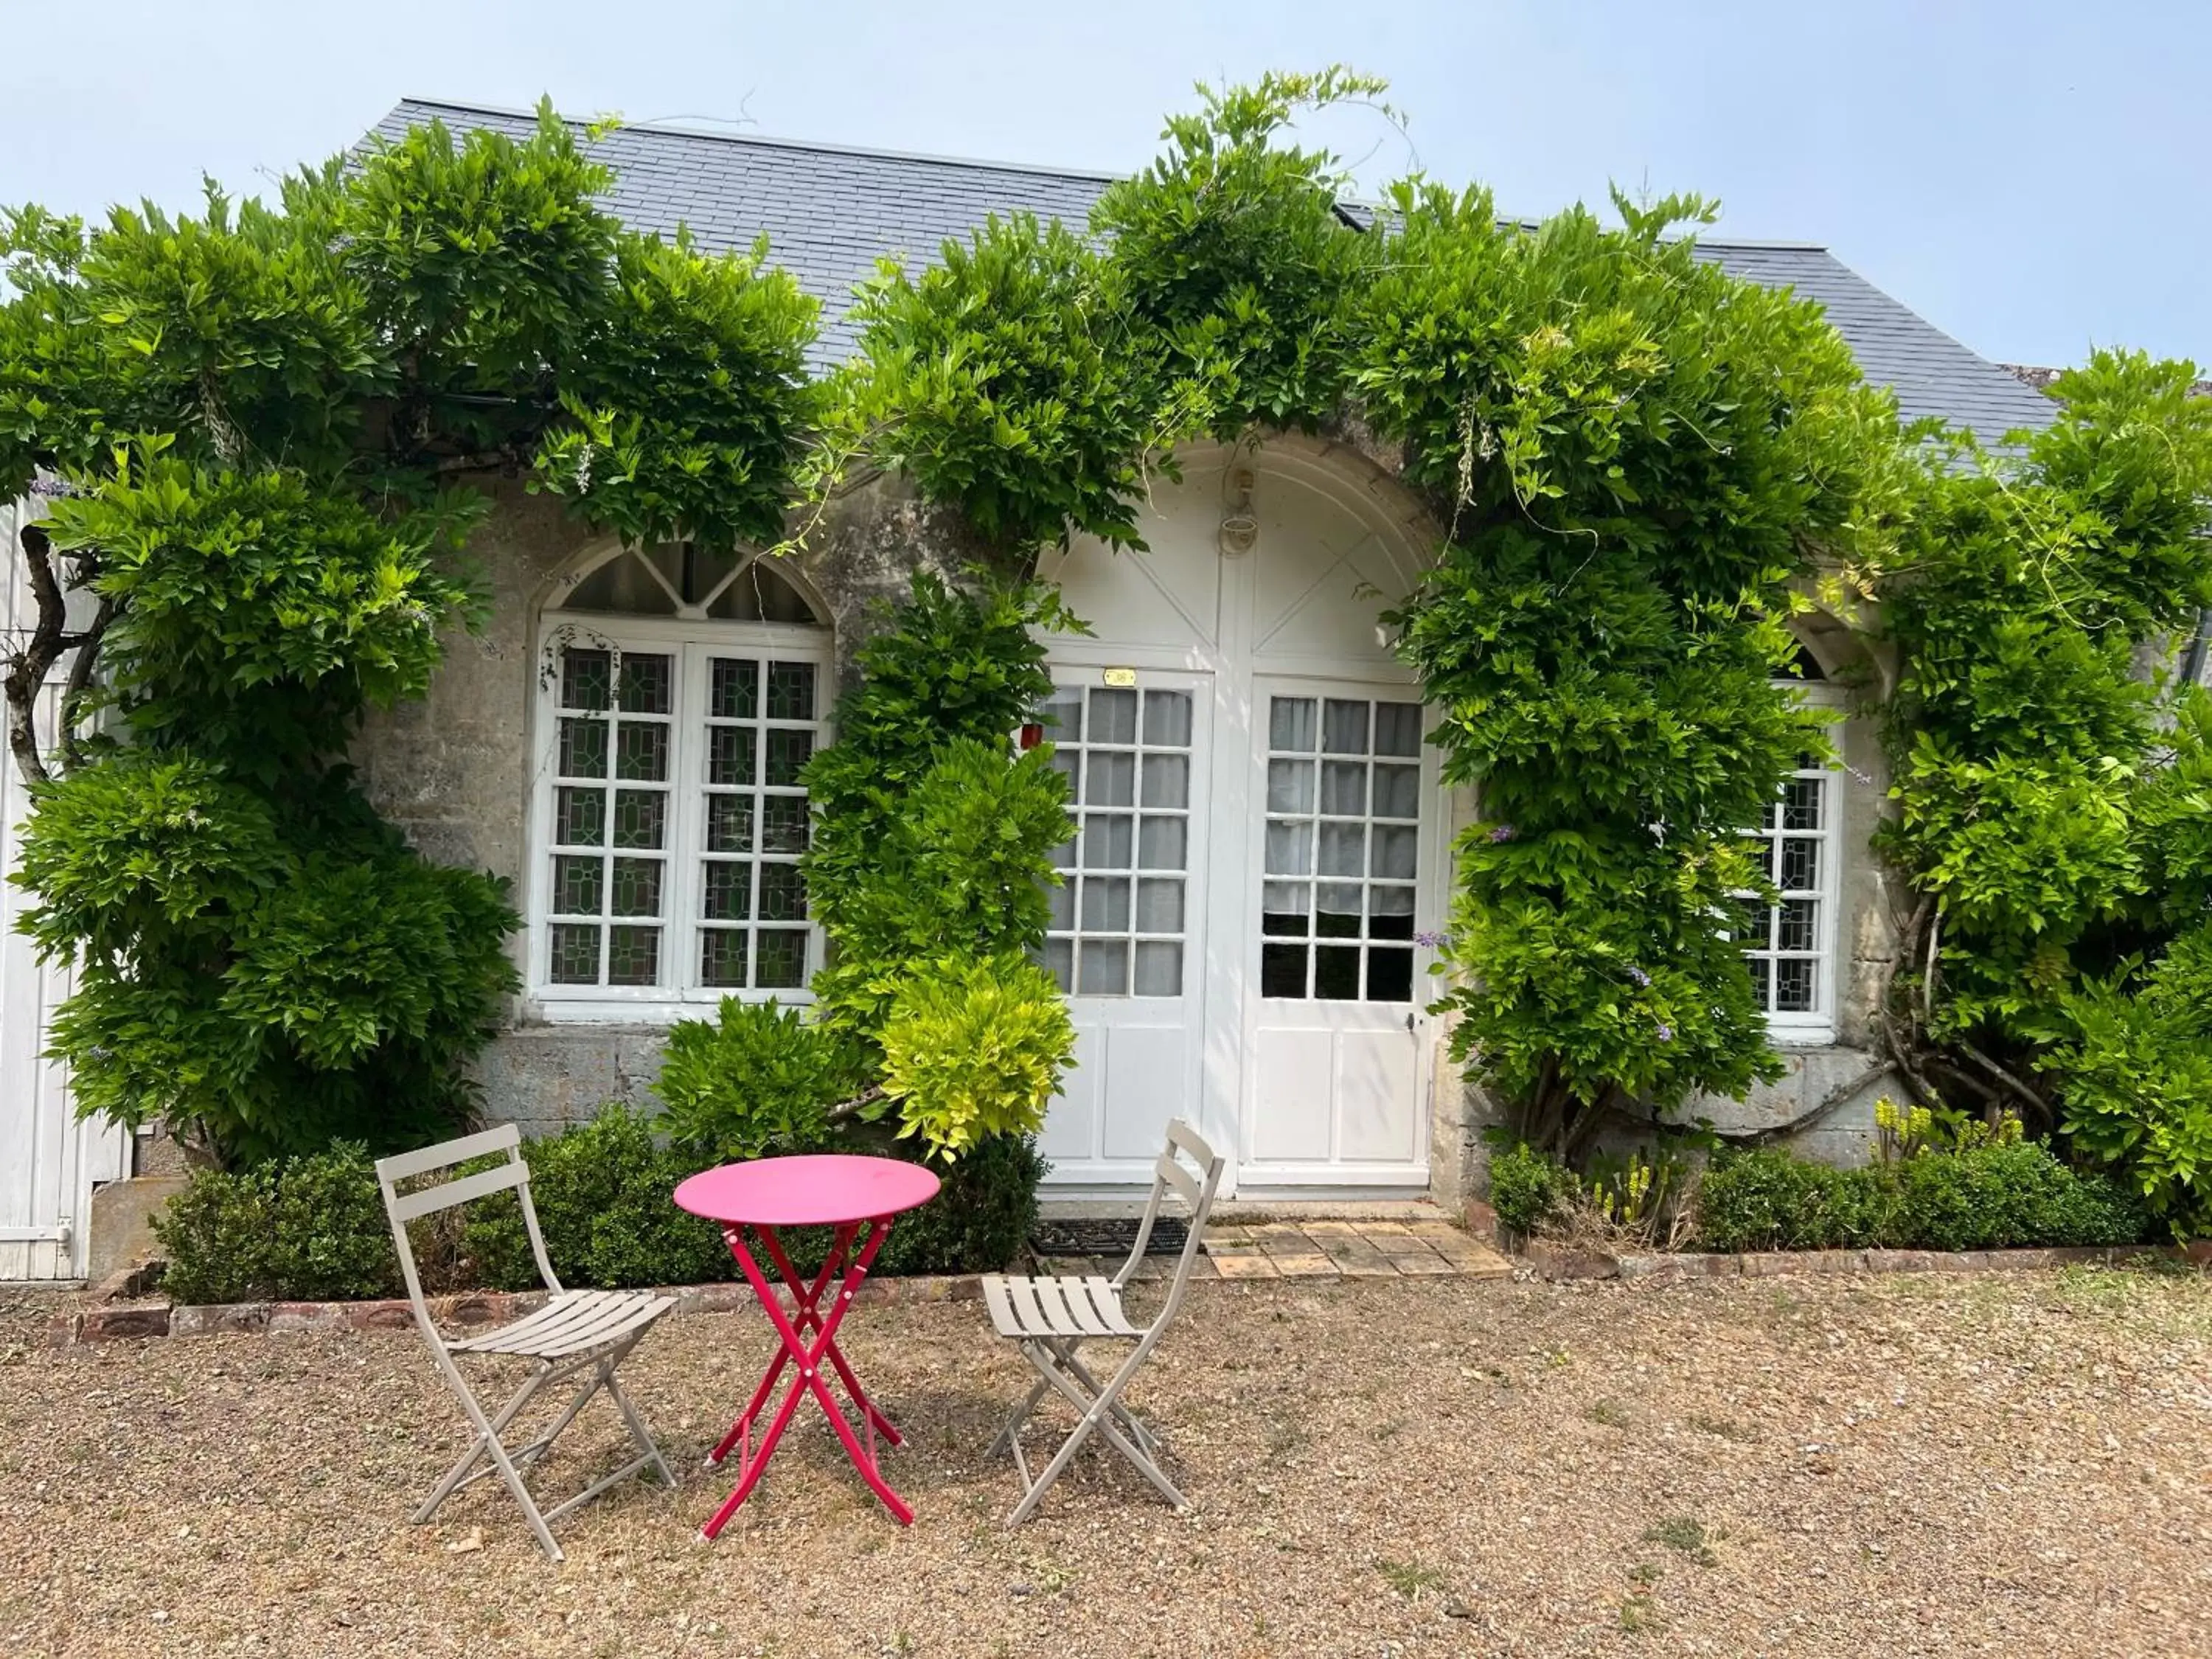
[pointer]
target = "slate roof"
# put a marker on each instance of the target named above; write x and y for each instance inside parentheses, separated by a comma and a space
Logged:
(830, 212)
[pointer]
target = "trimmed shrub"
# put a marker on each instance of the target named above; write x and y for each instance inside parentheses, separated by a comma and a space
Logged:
(305, 1229)
(1528, 1188)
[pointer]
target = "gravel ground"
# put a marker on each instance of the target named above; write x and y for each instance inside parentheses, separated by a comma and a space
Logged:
(1861, 1467)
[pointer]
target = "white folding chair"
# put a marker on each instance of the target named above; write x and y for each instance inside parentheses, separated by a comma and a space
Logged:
(575, 1329)
(1051, 1317)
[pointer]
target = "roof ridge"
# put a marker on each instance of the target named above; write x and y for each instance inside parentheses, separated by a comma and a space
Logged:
(670, 130)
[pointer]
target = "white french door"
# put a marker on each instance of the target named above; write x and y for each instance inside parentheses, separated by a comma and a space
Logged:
(1125, 939)
(1337, 845)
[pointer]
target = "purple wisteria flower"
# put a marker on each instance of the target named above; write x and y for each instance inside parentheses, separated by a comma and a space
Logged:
(1501, 832)
(1666, 1032)
(1428, 941)
(1640, 977)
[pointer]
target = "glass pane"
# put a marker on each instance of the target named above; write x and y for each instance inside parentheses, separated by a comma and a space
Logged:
(580, 816)
(1111, 781)
(1290, 848)
(791, 690)
(1389, 976)
(729, 754)
(1390, 913)
(779, 959)
(1162, 844)
(1754, 924)
(1159, 969)
(1282, 970)
(1063, 717)
(1113, 717)
(733, 694)
(637, 887)
(1397, 792)
(1801, 865)
(575, 954)
(1106, 904)
(1289, 785)
(1291, 726)
(640, 818)
(1068, 763)
(1062, 899)
(1395, 851)
(1762, 981)
(1160, 907)
(1336, 973)
(641, 752)
(1167, 780)
(1103, 967)
(576, 886)
(722, 952)
(784, 823)
(1344, 788)
(1060, 962)
(1397, 728)
(1800, 804)
(1063, 856)
(1343, 727)
(1343, 850)
(783, 893)
(1796, 932)
(1283, 907)
(1107, 838)
(585, 679)
(1336, 909)
(787, 752)
(1793, 986)
(583, 752)
(632, 956)
(730, 822)
(1167, 719)
(646, 685)
(727, 894)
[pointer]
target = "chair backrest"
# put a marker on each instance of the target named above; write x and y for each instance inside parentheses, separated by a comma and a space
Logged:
(403, 1207)
(1195, 1190)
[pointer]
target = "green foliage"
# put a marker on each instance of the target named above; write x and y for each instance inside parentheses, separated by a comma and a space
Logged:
(303, 1228)
(270, 424)
(1528, 1188)
(1997, 1195)
(973, 1050)
(759, 1079)
(602, 1192)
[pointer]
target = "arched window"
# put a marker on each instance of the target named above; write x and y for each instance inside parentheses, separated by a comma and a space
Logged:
(680, 693)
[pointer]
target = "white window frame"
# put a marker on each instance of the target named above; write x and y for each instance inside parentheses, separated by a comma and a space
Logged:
(1816, 1027)
(691, 642)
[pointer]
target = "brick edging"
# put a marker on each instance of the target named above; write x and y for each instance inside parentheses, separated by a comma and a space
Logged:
(469, 1307)
(1557, 1262)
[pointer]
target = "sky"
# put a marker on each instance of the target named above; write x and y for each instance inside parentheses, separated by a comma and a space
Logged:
(2030, 174)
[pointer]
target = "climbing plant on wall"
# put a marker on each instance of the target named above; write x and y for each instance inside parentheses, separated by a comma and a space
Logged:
(263, 434)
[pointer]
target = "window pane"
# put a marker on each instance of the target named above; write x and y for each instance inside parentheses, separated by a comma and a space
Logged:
(1801, 865)
(779, 959)
(1291, 726)
(1159, 969)
(637, 887)
(1113, 717)
(575, 954)
(1344, 788)
(1159, 906)
(1060, 962)
(576, 886)
(783, 893)
(580, 818)
(1167, 719)
(1343, 850)
(1062, 899)
(1106, 904)
(1107, 838)
(1103, 967)
(1110, 781)
(1397, 792)
(640, 818)
(1282, 970)
(1389, 976)
(1063, 717)
(1336, 909)
(1336, 973)
(791, 690)
(1167, 780)
(1283, 908)
(1343, 727)
(632, 956)
(586, 677)
(1793, 986)
(787, 752)
(1397, 728)
(1800, 804)
(583, 749)
(646, 685)
(641, 752)
(1389, 912)
(726, 892)
(1161, 845)
(730, 822)
(784, 823)
(730, 755)
(733, 689)
(1395, 851)
(1796, 931)
(1289, 785)
(722, 953)
(1290, 849)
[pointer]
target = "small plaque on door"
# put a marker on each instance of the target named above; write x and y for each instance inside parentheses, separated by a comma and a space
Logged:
(1119, 675)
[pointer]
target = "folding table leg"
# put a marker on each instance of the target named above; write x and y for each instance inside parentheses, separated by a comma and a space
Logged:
(811, 1320)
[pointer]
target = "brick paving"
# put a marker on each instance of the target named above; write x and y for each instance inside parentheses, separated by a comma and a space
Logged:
(1323, 1250)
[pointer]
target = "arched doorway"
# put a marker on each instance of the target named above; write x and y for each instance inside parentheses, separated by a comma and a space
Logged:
(1257, 878)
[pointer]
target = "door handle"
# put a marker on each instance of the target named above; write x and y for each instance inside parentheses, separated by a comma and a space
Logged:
(1409, 1022)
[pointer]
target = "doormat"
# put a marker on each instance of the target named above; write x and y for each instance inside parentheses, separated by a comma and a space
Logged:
(1105, 1236)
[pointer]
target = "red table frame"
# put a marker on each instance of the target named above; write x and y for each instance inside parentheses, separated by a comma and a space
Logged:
(846, 1269)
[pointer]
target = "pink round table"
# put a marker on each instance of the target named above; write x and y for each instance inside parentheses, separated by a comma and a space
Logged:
(831, 1189)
